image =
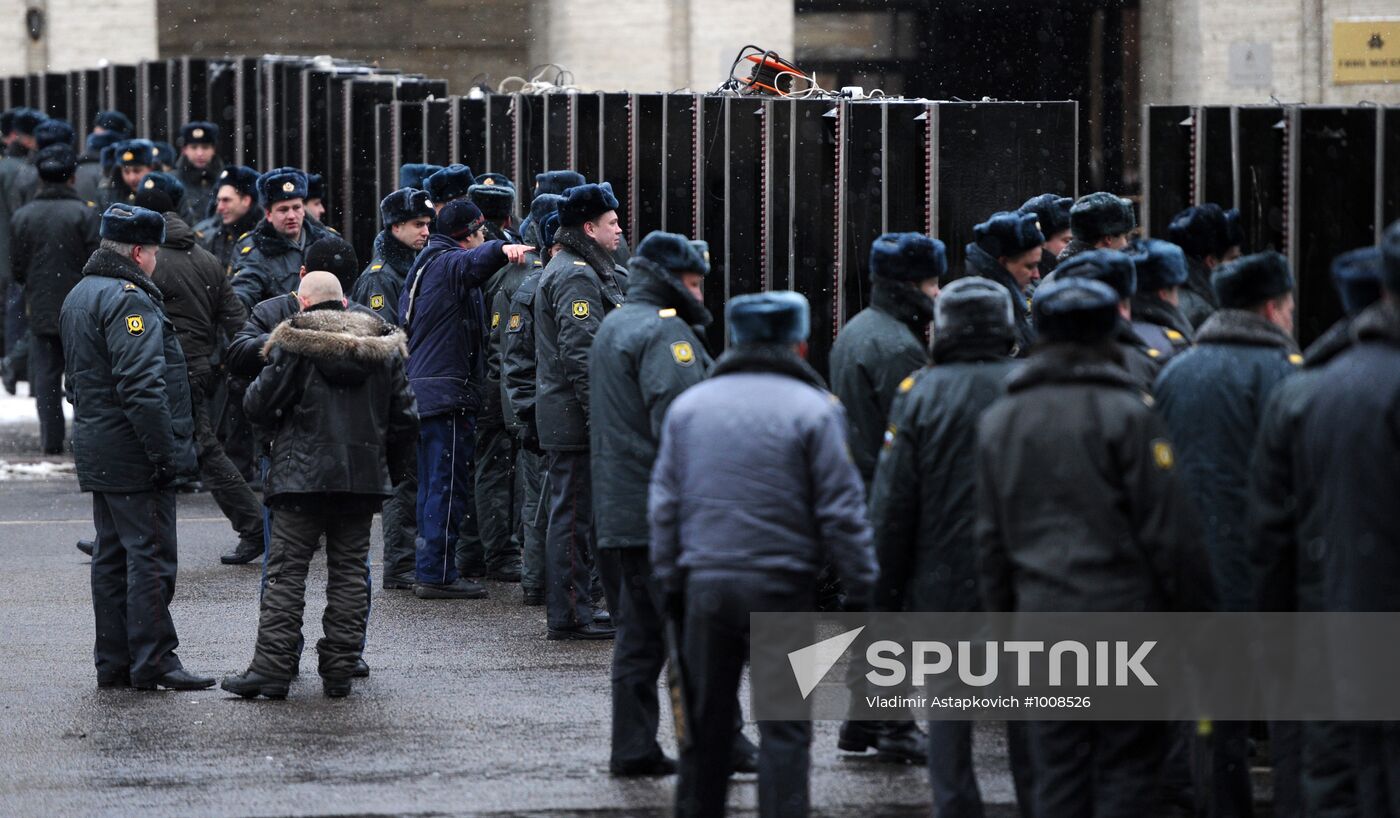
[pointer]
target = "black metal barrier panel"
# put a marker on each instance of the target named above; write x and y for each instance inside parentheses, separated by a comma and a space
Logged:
(1310, 181)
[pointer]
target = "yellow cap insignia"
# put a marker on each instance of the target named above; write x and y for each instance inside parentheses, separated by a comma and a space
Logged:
(1153, 353)
(150, 183)
(514, 323)
(580, 309)
(681, 351)
(288, 187)
(1162, 455)
(376, 302)
(197, 133)
(906, 384)
(707, 256)
(135, 324)
(669, 312)
(495, 320)
(1295, 359)
(246, 250)
(488, 181)
(374, 268)
(128, 156)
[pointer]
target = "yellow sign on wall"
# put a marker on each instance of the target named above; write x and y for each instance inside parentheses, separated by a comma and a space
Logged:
(1365, 51)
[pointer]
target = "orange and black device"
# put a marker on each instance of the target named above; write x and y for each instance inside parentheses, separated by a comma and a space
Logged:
(768, 75)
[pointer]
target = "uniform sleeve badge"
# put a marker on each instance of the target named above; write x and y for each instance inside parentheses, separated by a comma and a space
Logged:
(580, 309)
(495, 320)
(513, 325)
(683, 353)
(1162, 455)
(135, 325)
(376, 302)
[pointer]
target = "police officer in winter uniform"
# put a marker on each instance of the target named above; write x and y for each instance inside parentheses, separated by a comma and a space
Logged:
(406, 215)
(132, 160)
(109, 128)
(1006, 248)
(646, 353)
(203, 309)
(580, 285)
(449, 184)
(1351, 463)
(316, 197)
(49, 132)
(1052, 212)
(1157, 318)
(1210, 236)
(923, 504)
(1211, 397)
(199, 168)
(444, 314)
(1099, 221)
(236, 213)
(266, 263)
(336, 395)
(132, 443)
(494, 195)
(1124, 490)
(872, 356)
(165, 157)
(712, 489)
(515, 334)
(52, 238)
(1287, 570)
(1116, 269)
(551, 183)
(21, 145)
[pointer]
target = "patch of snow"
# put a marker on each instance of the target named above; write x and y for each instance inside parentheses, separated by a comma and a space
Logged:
(19, 407)
(42, 470)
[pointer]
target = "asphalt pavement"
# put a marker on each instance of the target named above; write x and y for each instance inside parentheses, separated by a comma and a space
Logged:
(468, 709)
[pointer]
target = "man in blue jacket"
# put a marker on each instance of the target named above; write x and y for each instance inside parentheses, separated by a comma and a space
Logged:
(444, 313)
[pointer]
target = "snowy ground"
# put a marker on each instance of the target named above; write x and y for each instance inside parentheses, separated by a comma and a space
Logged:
(19, 408)
(19, 441)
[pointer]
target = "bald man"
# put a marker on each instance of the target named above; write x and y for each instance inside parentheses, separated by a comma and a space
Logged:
(336, 401)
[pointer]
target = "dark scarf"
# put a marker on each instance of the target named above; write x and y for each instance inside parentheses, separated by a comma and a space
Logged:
(904, 303)
(1062, 362)
(111, 264)
(1243, 327)
(573, 239)
(776, 359)
(1150, 309)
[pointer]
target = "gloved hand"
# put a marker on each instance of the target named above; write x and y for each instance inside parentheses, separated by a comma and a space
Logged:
(165, 475)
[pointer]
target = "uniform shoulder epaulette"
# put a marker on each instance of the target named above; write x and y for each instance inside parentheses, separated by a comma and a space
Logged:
(539, 263)
(1153, 352)
(1174, 336)
(92, 204)
(129, 287)
(244, 236)
(246, 250)
(669, 312)
(376, 266)
(580, 264)
(1295, 359)
(199, 234)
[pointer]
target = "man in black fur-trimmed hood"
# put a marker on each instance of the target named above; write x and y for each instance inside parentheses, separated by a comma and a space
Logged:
(337, 395)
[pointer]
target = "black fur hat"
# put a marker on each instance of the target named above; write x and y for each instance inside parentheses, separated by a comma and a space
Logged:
(1206, 230)
(165, 154)
(972, 307)
(494, 194)
(134, 153)
(1099, 215)
(1051, 210)
(1075, 309)
(415, 175)
(56, 163)
(1008, 234)
(404, 204)
(1160, 264)
(908, 257)
(1356, 275)
(281, 184)
(26, 120)
(199, 133)
(557, 181)
(777, 317)
(585, 203)
(97, 142)
(113, 121)
(674, 253)
(1249, 281)
(153, 199)
(133, 225)
(452, 182)
(1112, 267)
(241, 178)
(543, 205)
(55, 132)
(166, 183)
(1390, 253)
(335, 256)
(315, 186)
(459, 219)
